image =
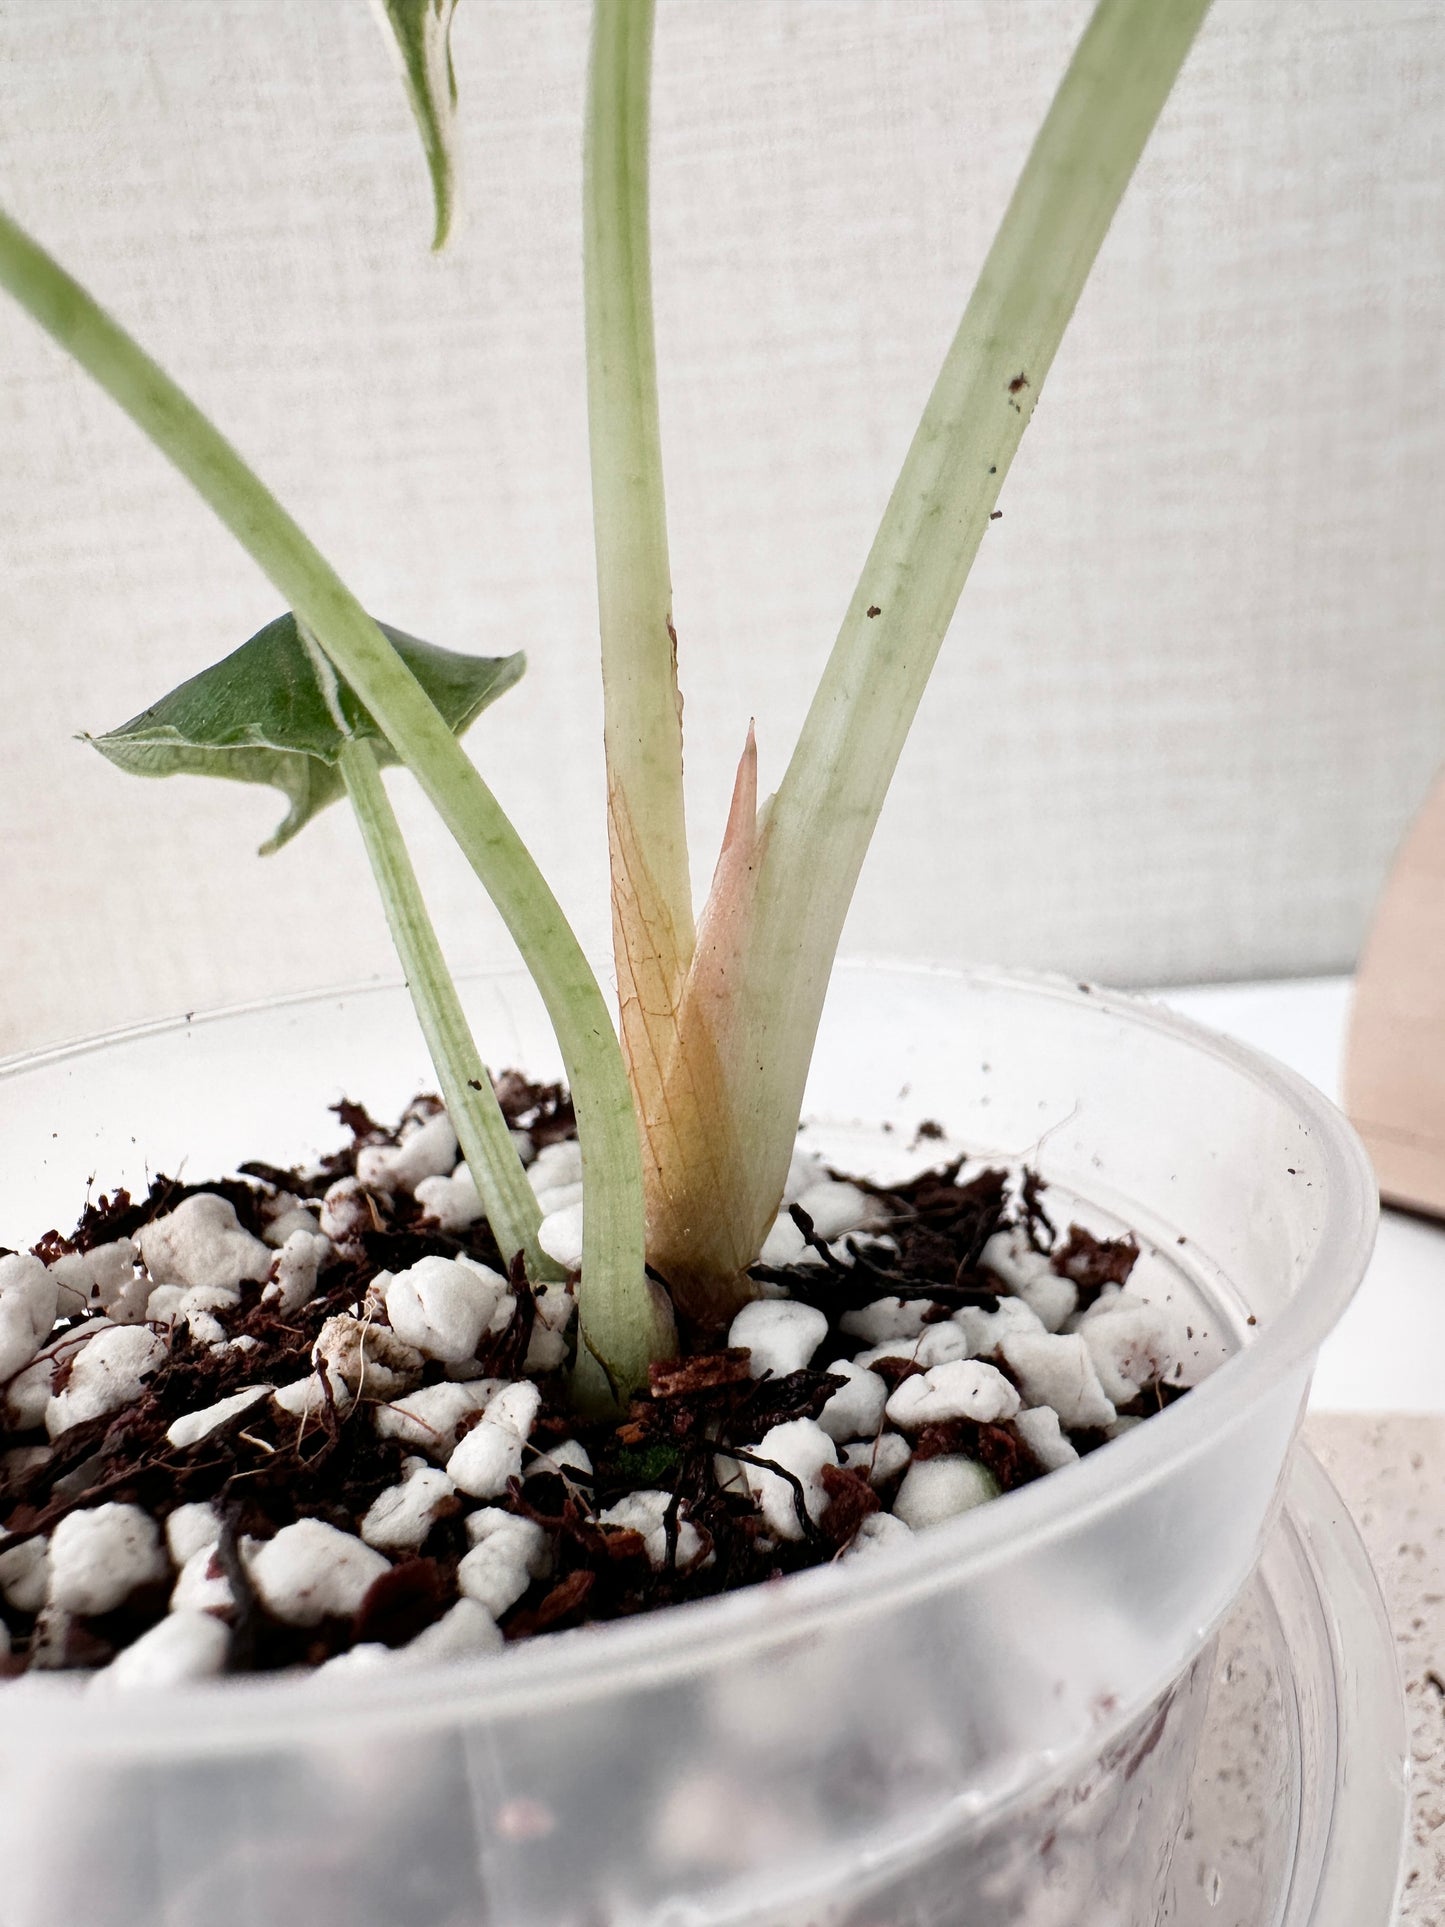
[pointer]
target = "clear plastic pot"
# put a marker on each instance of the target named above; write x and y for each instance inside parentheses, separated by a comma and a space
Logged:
(993, 1726)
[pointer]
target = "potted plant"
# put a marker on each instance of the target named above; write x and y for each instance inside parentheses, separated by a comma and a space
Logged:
(639, 1770)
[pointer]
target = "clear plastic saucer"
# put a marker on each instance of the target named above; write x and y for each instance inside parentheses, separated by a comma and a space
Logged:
(1299, 1806)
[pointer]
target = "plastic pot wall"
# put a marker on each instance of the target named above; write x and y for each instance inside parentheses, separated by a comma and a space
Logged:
(988, 1728)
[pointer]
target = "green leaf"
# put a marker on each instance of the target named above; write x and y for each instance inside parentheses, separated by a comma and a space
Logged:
(266, 714)
(421, 31)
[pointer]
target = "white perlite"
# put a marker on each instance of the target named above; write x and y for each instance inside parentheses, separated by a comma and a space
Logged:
(887, 1318)
(554, 1305)
(28, 1297)
(429, 1150)
(445, 1306)
(878, 1532)
(645, 1513)
(466, 1632)
(878, 1459)
(25, 1573)
(986, 1330)
(560, 1235)
(109, 1372)
(1030, 1275)
(189, 1528)
(937, 1489)
(780, 1334)
(297, 1267)
(837, 1208)
(96, 1277)
(801, 1447)
(490, 1455)
(182, 1646)
(855, 1411)
(1131, 1346)
(555, 1166)
(428, 1419)
(346, 1212)
(307, 1398)
(1040, 1431)
(311, 1571)
(964, 1388)
(369, 1360)
(400, 1518)
(507, 1554)
(1058, 1371)
(452, 1204)
(98, 1557)
(28, 1395)
(192, 1426)
(200, 1243)
(201, 1585)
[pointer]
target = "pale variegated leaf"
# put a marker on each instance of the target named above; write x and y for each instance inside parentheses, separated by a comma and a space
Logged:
(420, 31)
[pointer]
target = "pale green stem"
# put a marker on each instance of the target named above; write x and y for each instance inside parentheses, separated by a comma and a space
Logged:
(482, 1131)
(619, 1322)
(642, 719)
(817, 829)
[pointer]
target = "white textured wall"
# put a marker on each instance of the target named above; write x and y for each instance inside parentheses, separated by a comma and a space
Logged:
(1197, 683)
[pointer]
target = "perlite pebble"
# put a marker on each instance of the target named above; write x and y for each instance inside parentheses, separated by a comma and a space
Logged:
(201, 1243)
(1058, 1371)
(311, 1571)
(784, 1244)
(490, 1455)
(987, 1330)
(27, 1397)
(855, 1411)
(346, 1212)
(201, 1585)
(307, 1398)
(965, 1388)
(193, 1426)
(941, 1344)
(25, 1573)
(801, 1447)
(1041, 1433)
(837, 1208)
(99, 1556)
(645, 1513)
(428, 1419)
(878, 1532)
(560, 1236)
(367, 1358)
(887, 1318)
(937, 1489)
(879, 1459)
(297, 1268)
(95, 1277)
(780, 1335)
(109, 1373)
(189, 1528)
(444, 1306)
(28, 1297)
(1132, 1345)
(507, 1554)
(400, 1518)
(466, 1632)
(428, 1150)
(556, 1165)
(569, 1460)
(285, 1214)
(453, 1203)
(182, 1646)
(1029, 1274)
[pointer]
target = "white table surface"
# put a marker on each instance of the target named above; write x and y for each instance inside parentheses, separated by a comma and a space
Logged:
(1388, 1352)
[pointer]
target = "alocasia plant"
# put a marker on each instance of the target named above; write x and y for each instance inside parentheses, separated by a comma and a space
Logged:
(688, 1124)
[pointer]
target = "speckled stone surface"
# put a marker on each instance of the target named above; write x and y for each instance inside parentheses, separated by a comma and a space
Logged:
(1391, 1473)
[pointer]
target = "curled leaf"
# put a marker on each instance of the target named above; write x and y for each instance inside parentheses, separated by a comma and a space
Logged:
(263, 715)
(421, 33)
